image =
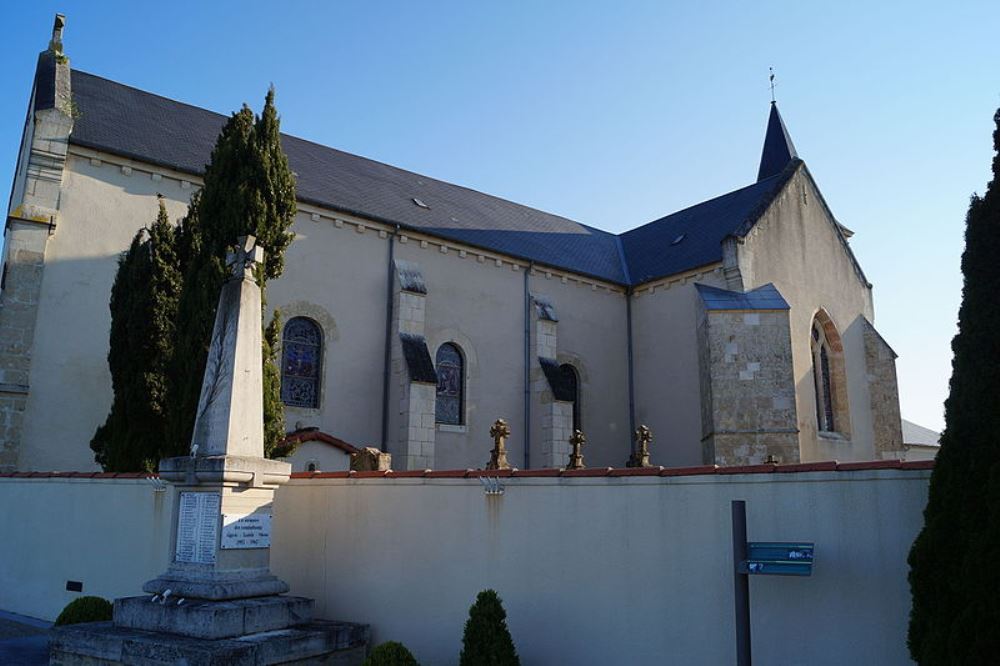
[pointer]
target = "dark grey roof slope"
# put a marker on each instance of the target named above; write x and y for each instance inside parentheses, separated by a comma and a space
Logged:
(146, 127)
(693, 237)
(765, 297)
(126, 121)
(778, 147)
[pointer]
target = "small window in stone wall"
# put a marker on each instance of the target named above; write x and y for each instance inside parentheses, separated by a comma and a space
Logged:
(301, 358)
(571, 379)
(449, 407)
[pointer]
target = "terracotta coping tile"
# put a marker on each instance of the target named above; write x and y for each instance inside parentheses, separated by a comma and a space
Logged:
(826, 466)
(586, 472)
(689, 471)
(636, 471)
(409, 474)
(766, 468)
(537, 473)
(369, 474)
(917, 464)
(870, 464)
(450, 474)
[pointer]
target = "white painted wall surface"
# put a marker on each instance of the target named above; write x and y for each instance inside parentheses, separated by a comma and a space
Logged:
(628, 570)
(328, 458)
(667, 383)
(110, 534)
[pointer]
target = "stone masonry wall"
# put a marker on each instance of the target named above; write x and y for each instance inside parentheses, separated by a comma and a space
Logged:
(412, 426)
(883, 391)
(556, 415)
(751, 388)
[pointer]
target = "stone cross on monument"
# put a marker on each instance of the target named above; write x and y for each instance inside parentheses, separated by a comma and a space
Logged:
(498, 456)
(640, 457)
(218, 586)
(576, 457)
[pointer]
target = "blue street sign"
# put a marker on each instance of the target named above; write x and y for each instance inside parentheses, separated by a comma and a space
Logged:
(778, 558)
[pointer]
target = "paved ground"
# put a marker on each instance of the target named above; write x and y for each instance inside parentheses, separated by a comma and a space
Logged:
(24, 641)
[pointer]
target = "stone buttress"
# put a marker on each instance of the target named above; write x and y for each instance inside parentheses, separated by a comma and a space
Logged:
(413, 381)
(550, 392)
(32, 219)
(747, 383)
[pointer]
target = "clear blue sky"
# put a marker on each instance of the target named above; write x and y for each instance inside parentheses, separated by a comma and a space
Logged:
(611, 113)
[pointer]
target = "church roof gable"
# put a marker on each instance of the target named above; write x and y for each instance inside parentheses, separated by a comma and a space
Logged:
(693, 237)
(125, 121)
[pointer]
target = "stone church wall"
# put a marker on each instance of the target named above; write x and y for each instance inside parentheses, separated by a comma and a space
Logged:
(796, 247)
(625, 565)
(335, 274)
(748, 394)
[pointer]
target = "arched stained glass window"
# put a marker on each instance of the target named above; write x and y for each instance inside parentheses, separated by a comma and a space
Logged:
(829, 378)
(571, 380)
(301, 358)
(449, 408)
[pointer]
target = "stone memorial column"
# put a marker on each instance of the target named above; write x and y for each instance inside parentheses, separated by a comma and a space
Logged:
(217, 602)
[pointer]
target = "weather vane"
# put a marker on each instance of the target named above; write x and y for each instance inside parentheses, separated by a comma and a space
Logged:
(771, 78)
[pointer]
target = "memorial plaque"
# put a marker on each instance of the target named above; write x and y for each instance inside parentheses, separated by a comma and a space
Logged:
(246, 531)
(197, 527)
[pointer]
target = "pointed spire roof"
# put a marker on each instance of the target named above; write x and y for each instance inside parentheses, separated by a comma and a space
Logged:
(778, 147)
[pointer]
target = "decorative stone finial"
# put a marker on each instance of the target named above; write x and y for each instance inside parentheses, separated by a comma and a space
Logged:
(242, 259)
(55, 45)
(576, 457)
(498, 456)
(640, 457)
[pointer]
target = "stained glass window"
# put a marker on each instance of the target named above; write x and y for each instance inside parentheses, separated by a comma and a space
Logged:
(451, 384)
(571, 380)
(301, 356)
(827, 389)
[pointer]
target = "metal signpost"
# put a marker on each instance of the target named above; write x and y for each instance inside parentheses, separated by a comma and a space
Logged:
(781, 558)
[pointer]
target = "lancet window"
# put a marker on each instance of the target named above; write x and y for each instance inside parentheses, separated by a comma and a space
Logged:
(450, 403)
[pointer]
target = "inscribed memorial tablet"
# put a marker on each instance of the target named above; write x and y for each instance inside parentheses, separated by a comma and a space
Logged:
(197, 527)
(246, 531)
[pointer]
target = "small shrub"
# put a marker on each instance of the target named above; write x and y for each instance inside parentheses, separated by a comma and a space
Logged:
(487, 640)
(85, 609)
(391, 654)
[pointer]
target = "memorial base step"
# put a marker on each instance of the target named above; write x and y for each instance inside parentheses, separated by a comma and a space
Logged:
(103, 643)
(198, 618)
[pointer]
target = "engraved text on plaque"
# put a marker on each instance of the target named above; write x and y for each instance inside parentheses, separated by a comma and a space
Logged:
(197, 527)
(246, 531)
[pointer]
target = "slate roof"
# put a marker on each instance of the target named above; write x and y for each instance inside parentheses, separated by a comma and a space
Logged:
(778, 147)
(125, 121)
(765, 297)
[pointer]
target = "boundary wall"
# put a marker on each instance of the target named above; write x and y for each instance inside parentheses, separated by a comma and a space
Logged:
(595, 566)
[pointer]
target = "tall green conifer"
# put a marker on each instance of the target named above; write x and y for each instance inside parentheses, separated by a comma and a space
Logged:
(248, 190)
(143, 319)
(954, 573)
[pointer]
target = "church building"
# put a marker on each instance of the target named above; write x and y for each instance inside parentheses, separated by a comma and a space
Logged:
(739, 330)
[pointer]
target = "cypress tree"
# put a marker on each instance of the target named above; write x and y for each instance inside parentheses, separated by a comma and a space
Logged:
(143, 318)
(954, 578)
(486, 640)
(248, 190)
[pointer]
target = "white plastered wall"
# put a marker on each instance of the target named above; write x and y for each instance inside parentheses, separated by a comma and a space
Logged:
(667, 381)
(639, 569)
